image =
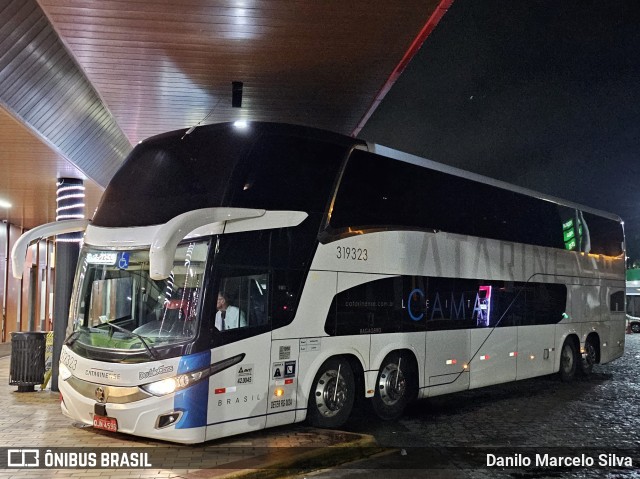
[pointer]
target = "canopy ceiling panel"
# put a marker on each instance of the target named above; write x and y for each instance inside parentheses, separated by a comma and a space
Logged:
(162, 65)
(42, 86)
(29, 172)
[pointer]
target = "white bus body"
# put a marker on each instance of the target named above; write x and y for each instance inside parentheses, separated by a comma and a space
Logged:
(386, 310)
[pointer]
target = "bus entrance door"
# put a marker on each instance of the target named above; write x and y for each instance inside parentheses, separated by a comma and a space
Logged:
(238, 393)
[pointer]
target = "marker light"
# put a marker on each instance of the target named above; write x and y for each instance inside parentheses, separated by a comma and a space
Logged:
(532, 357)
(465, 366)
(279, 392)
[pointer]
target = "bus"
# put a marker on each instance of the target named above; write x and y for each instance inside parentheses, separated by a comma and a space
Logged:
(234, 279)
(633, 300)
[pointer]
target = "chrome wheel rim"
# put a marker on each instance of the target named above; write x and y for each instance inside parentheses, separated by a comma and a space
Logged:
(331, 393)
(392, 385)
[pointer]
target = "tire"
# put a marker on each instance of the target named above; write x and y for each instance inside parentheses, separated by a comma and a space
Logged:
(396, 386)
(568, 361)
(589, 358)
(328, 407)
(635, 327)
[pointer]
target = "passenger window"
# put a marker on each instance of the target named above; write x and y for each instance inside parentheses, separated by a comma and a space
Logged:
(616, 302)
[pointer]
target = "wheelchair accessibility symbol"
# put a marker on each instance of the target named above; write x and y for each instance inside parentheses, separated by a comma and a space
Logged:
(123, 260)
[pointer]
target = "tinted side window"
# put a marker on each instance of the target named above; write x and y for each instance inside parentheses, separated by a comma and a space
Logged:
(616, 302)
(379, 191)
(545, 303)
(267, 268)
(606, 235)
(370, 308)
(292, 250)
(417, 303)
(288, 173)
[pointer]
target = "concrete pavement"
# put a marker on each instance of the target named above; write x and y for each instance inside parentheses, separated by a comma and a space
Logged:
(33, 420)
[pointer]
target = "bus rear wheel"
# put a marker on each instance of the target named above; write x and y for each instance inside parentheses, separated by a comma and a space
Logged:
(396, 386)
(332, 394)
(568, 360)
(589, 358)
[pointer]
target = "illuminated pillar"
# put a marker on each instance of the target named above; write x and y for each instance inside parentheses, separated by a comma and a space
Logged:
(70, 205)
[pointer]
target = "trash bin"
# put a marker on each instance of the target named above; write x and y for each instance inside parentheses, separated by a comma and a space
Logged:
(27, 360)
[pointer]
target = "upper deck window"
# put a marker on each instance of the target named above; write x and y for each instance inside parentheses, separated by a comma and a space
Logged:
(376, 192)
(266, 166)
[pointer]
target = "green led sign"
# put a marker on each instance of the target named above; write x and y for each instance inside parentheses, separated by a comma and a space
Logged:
(569, 234)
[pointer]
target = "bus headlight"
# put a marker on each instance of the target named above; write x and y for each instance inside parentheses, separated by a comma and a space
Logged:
(171, 385)
(183, 381)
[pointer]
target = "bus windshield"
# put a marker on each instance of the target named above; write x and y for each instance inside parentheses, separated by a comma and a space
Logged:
(117, 306)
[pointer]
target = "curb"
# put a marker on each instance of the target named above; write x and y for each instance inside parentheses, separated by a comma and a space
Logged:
(283, 464)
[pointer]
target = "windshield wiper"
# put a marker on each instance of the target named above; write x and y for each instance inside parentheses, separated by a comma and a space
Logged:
(72, 337)
(152, 351)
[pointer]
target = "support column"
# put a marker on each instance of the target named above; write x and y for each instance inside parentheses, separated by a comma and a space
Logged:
(5, 282)
(70, 205)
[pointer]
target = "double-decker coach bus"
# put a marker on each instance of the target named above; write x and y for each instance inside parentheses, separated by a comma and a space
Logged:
(237, 279)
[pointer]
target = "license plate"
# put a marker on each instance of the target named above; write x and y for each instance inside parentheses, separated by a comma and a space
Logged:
(106, 423)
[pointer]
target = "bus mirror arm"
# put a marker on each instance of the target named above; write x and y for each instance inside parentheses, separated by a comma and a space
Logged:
(19, 250)
(166, 239)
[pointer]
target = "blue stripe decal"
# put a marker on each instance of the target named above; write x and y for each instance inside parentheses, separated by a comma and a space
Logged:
(193, 401)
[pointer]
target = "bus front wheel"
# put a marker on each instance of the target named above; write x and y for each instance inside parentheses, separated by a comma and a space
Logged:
(396, 386)
(568, 360)
(332, 394)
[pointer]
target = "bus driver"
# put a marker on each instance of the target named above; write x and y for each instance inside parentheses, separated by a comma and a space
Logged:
(228, 316)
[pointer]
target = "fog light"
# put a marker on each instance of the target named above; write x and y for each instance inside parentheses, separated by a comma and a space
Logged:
(169, 419)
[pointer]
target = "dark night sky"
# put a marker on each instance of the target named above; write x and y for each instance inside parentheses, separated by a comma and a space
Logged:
(543, 94)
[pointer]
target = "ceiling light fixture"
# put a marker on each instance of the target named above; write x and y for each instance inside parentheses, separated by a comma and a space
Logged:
(240, 124)
(5, 204)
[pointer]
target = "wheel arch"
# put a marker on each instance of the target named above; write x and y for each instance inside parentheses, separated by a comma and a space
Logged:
(570, 336)
(406, 352)
(383, 353)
